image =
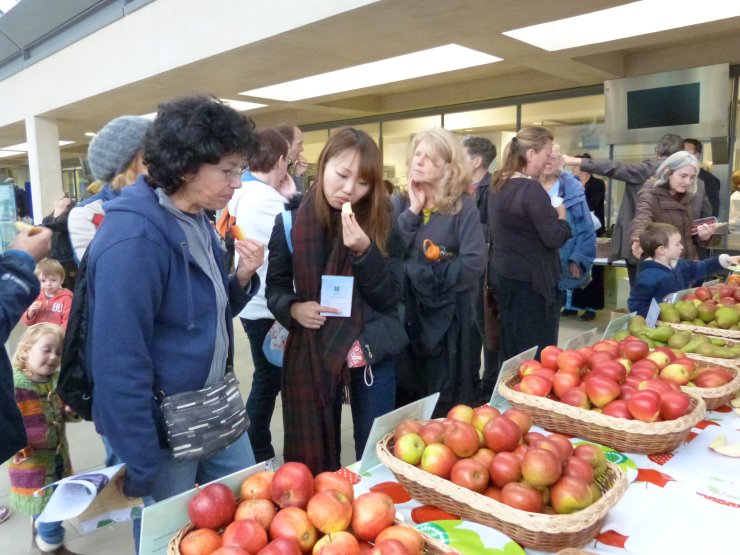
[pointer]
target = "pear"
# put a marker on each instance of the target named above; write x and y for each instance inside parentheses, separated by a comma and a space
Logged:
(698, 322)
(668, 313)
(620, 335)
(636, 325)
(718, 341)
(705, 312)
(694, 343)
(686, 310)
(679, 339)
(726, 317)
(660, 334)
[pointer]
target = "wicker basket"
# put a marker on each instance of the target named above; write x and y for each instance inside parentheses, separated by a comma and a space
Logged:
(629, 436)
(716, 396)
(533, 530)
(431, 546)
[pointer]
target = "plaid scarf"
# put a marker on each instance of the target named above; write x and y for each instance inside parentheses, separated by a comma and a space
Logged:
(315, 360)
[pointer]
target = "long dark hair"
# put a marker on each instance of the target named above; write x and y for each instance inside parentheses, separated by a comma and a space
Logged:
(373, 211)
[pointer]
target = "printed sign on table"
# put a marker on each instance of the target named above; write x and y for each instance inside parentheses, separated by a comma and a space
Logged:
(618, 323)
(588, 337)
(418, 410)
(511, 366)
(652, 315)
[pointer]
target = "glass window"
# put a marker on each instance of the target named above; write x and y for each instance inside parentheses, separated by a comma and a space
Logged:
(313, 142)
(496, 124)
(397, 137)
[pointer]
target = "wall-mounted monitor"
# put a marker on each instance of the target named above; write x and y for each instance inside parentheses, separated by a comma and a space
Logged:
(690, 103)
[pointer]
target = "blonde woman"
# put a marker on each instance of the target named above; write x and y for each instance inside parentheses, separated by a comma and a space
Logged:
(116, 157)
(441, 218)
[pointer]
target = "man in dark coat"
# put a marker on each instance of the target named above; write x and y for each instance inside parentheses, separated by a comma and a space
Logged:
(711, 183)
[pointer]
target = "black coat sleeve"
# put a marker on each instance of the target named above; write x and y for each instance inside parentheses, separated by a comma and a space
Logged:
(279, 290)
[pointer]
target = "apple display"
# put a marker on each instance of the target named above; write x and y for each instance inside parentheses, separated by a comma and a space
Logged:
(212, 507)
(330, 511)
(504, 468)
(410, 538)
(541, 467)
(644, 405)
(281, 546)
(409, 448)
(292, 485)
(337, 543)
(463, 413)
(470, 474)
(549, 357)
(438, 459)
(522, 496)
(293, 523)
(675, 373)
(257, 486)
(371, 513)
(462, 438)
(502, 434)
(199, 541)
(407, 426)
(674, 405)
(261, 510)
(334, 480)
(432, 432)
(535, 385)
(247, 534)
(569, 494)
(482, 415)
(520, 417)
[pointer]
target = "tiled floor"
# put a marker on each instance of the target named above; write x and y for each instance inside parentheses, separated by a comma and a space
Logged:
(87, 454)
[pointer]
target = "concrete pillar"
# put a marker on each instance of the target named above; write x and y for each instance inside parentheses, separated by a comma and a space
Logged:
(44, 164)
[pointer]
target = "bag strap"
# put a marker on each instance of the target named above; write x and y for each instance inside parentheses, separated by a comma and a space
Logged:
(288, 226)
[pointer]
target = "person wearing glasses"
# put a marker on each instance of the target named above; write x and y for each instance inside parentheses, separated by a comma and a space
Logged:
(578, 253)
(527, 228)
(160, 304)
(266, 188)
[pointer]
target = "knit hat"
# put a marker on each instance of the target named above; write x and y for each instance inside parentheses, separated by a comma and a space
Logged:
(115, 145)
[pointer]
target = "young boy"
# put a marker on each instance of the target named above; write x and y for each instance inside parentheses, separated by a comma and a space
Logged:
(53, 303)
(667, 272)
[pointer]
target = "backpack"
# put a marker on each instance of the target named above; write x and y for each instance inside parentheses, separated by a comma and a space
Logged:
(75, 384)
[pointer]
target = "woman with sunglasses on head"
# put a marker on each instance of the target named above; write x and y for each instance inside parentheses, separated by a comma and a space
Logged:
(160, 305)
(343, 228)
(526, 230)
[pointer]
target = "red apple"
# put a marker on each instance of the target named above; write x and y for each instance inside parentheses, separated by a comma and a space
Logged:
(569, 494)
(593, 455)
(610, 369)
(657, 385)
(627, 391)
(627, 363)
(660, 358)
(598, 356)
(506, 467)
(535, 385)
(520, 450)
(230, 550)
(550, 446)
(549, 357)
(261, 510)
(494, 492)
(541, 467)
(329, 511)
(292, 485)
(601, 390)
(521, 418)
(388, 547)
(463, 413)
(579, 468)
(432, 432)
(484, 456)
(522, 496)
(674, 405)
(337, 543)
(502, 434)
(470, 474)
(562, 382)
(333, 480)
(212, 507)
(371, 513)
(634, 349)
(411, 538)
(407, 426)
(571, 361)
(576, 398)
(618, 407)
(530, 438)
(247, 534)
(702, 293)
(688, 364)
(200, 541)
(483, 414)
(712, 378)
(409, 448)
(281, 546)
(644, 406)
(675, 373)
(293, 523)
(527, 366)
(462, 438)
(438, 459)
(563, 443)
(257, 486)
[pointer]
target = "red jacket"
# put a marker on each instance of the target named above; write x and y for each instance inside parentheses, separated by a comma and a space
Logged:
(52, 311)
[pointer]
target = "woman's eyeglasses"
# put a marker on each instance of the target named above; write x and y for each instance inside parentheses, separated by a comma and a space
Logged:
(234, 175)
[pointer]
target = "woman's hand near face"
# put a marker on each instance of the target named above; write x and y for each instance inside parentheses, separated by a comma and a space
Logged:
(309, 315)
(417, 197)
(354, 237)
(251, 256)
(287, 186)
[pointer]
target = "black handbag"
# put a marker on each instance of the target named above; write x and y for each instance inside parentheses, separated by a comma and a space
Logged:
(200, 423)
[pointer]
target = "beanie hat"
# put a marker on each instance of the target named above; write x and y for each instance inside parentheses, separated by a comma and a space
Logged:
(115, 146)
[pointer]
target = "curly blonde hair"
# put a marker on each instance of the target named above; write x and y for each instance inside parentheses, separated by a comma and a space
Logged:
(444, 147)
(30, 337)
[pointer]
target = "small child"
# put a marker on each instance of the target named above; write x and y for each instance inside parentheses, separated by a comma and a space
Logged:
(54, 302)
(46, 457)
(667, 272)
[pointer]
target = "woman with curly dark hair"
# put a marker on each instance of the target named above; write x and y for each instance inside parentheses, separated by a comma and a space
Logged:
(160, 302)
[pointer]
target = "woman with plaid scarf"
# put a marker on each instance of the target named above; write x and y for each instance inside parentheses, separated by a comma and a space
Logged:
(328, 359)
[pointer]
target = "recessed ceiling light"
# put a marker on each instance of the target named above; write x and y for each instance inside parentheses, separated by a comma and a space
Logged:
(9, 153)
(449, 57)
(23, 147)
(241, 105)
(637, 18)
(90, 134)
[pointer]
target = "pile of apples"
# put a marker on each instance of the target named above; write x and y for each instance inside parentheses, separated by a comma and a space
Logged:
(498, 456)
(623, 379)
(289, 512)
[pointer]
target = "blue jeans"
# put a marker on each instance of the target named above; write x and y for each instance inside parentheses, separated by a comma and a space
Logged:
(265, 389)
(50, 532)
(175, 477)
(370, 401)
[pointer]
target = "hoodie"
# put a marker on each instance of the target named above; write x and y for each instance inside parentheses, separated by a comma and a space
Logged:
(581, 247)
(152, 325)
(54, 310)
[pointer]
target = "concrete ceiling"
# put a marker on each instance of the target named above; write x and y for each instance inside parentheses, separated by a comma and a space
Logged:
(393, 27)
